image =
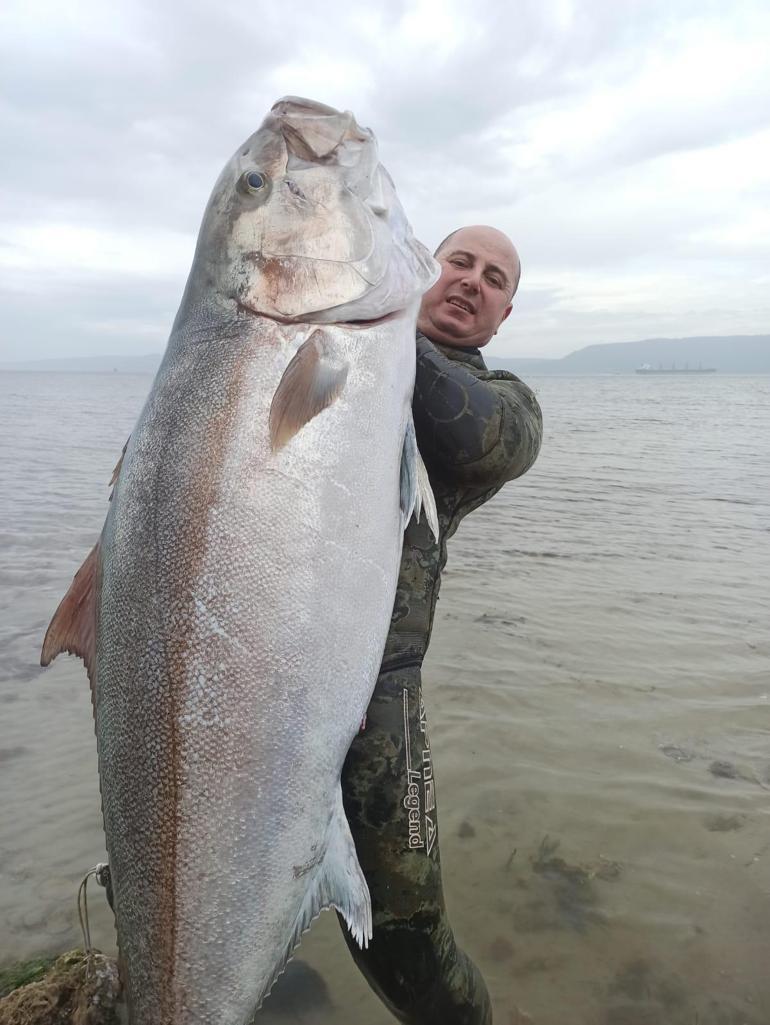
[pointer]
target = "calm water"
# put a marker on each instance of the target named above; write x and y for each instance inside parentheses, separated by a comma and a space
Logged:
(598, 689)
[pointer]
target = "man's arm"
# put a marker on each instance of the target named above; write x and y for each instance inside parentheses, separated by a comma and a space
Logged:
(475, 427)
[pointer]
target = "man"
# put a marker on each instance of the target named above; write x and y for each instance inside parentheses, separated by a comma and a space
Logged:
(476, 430)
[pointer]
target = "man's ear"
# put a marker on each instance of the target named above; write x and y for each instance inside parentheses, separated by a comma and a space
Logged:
(508, 309)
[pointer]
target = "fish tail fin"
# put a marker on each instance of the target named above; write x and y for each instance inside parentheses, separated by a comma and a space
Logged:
(416, 492)
(338, 883)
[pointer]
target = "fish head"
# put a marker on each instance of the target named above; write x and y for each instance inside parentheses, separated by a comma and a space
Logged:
(304, 223)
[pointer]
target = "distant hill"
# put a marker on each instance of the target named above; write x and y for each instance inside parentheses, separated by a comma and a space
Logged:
(730, 354)
(146, 364)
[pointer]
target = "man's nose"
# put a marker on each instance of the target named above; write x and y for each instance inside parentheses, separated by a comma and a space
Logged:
(471, 280)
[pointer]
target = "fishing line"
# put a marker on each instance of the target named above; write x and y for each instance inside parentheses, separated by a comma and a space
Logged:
(101, 873)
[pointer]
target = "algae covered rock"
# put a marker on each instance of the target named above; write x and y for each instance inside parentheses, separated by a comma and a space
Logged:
(75, 990)
(22, 973)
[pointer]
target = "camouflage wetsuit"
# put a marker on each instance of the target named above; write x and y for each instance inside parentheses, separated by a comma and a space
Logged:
(476, 430)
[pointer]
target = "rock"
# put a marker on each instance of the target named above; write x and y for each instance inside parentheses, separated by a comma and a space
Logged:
(724, 823)
(70, 993)
(679, 754)
(724, 770)
(22, 973)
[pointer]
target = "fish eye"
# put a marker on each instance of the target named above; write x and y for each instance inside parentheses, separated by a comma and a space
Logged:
(256, 184)
(254, 181)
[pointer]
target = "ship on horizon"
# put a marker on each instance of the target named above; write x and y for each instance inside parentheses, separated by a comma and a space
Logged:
(647, 368)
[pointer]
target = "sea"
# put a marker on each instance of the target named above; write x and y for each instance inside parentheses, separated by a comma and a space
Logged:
(597, 689)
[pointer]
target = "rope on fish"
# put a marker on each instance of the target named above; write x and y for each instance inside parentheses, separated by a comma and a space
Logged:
(101, 872)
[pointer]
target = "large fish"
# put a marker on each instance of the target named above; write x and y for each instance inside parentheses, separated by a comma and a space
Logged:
(234, 612)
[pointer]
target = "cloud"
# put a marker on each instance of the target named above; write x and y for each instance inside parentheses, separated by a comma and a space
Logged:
(607, 139)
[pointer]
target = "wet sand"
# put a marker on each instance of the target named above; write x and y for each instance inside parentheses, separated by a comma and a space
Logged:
(598, 690)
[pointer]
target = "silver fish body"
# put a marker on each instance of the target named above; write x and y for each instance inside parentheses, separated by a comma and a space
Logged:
(246, 573)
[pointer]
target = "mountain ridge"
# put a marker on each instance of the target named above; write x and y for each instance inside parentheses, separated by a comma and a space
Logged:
(731, 354)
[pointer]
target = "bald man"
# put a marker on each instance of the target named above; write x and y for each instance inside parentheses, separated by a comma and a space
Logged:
(477, 429)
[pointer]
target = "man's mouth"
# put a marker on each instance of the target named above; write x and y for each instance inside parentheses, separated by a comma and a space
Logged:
(461, 304)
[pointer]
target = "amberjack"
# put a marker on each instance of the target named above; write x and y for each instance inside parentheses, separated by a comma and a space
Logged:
(233, 614)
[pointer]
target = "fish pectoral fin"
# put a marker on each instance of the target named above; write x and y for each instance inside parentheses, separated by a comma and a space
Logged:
(427, 498)
(338, 883)
(312, 381)
(416, 492)
(73, 627)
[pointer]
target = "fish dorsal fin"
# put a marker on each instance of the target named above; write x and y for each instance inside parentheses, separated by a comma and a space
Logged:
(312, 381)
(118, 465)
(73, 627)
(338, 883)
(416, 492)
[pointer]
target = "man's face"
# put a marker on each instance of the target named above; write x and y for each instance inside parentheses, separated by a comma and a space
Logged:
(471, 299)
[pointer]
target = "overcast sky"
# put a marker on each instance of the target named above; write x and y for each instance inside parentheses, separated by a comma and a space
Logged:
(624, 147)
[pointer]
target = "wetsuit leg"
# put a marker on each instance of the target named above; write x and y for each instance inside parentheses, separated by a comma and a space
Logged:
(412, 962)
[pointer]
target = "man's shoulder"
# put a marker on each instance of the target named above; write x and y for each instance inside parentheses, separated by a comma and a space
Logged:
(469, 357)
(476, 427)
(473, 360)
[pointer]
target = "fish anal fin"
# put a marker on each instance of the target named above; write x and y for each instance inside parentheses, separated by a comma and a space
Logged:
(338, 883)
(73, 627)
(312, 381)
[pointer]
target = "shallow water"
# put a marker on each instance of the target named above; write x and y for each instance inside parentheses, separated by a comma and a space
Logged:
(598, 689)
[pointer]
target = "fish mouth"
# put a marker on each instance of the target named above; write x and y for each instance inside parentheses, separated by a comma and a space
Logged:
(373, 321)
(313, 131)
(243, 307)
(460, 303)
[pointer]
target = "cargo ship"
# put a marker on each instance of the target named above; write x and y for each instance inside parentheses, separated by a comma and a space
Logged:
(646, 368)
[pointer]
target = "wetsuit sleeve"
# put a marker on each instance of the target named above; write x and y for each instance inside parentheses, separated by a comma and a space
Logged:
(475, 427)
